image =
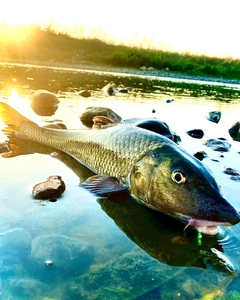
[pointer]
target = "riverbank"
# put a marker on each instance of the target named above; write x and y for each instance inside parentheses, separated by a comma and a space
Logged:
(34, 45)
(143, 71)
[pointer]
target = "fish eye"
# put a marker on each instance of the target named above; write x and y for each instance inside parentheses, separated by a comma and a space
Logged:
(178, 177)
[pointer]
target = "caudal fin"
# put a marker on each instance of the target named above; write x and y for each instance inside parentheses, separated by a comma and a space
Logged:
(11, 118)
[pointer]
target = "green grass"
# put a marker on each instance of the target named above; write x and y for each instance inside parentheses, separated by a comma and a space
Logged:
(45, 45)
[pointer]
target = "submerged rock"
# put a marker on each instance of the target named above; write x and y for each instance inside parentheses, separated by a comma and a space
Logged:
(53, 187)
(196, 133)
(231, 171)
(87, 116)
(214, 116)
(110, 88)
(67, 254)
(85, 93)
(176, 138)
(104, 282)
(200, 155)
(44, 103)
(219, 144)
(124, 90)
(234, 131)
(235, 178)
(235, 174)
(27, 288)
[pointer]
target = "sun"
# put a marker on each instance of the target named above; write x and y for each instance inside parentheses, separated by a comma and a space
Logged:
(16, 33)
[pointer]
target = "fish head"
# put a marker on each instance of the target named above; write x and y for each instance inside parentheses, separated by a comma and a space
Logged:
(172, 181)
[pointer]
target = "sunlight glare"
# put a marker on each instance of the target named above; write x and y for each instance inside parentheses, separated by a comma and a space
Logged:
(14, 98)
(14, 33)
(200, 27)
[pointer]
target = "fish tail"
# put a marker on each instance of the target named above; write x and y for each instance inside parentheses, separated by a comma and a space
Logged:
(11, 118)
(14, 146)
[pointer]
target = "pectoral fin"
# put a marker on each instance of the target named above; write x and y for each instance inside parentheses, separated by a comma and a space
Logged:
(105, 185)
(101, 122)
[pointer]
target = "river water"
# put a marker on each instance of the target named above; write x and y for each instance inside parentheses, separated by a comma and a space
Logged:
(85, 247)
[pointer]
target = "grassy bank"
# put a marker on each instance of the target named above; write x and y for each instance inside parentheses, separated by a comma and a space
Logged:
(30, 43)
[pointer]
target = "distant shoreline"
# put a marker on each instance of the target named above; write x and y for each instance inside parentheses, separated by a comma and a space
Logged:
(146, 72)
(48, 48)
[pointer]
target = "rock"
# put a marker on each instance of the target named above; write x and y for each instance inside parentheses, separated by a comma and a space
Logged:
(231, 171)
(85, 93)
(110, 88)
(169, 100)
(234, 131)
(219, 144)
(123, 90)
(44, 103)
(65, 253)
(214, 116)
(235, 178)
(196, 133)
(87, 116)
(104, 281)
(53, 187)
(200, 155)
(176, 138)
(235, 174)
(156, 126)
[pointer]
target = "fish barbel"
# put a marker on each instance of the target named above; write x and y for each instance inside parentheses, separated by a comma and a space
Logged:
(155, 170)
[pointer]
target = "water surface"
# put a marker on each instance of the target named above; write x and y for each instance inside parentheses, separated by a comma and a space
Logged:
(84, 247)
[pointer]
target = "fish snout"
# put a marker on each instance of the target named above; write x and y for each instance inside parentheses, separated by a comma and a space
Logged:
(234, 218)
(221, 211)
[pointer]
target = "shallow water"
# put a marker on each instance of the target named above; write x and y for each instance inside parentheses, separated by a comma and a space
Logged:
(84, 247)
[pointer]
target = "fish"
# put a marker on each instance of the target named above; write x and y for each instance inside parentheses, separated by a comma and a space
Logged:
(156, 171)
(164, 240)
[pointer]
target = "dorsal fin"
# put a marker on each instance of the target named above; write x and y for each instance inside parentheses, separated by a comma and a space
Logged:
(100, 122)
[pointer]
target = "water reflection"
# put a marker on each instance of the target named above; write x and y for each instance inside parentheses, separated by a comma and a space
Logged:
(163, 237)
(27, 78)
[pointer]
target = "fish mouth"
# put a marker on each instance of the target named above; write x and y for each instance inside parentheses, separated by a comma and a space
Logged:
(204, 226)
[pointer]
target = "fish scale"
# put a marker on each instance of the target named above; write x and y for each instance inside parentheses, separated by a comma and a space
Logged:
(122, 145)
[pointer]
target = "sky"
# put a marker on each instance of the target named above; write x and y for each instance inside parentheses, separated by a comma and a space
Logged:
(209, 27)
